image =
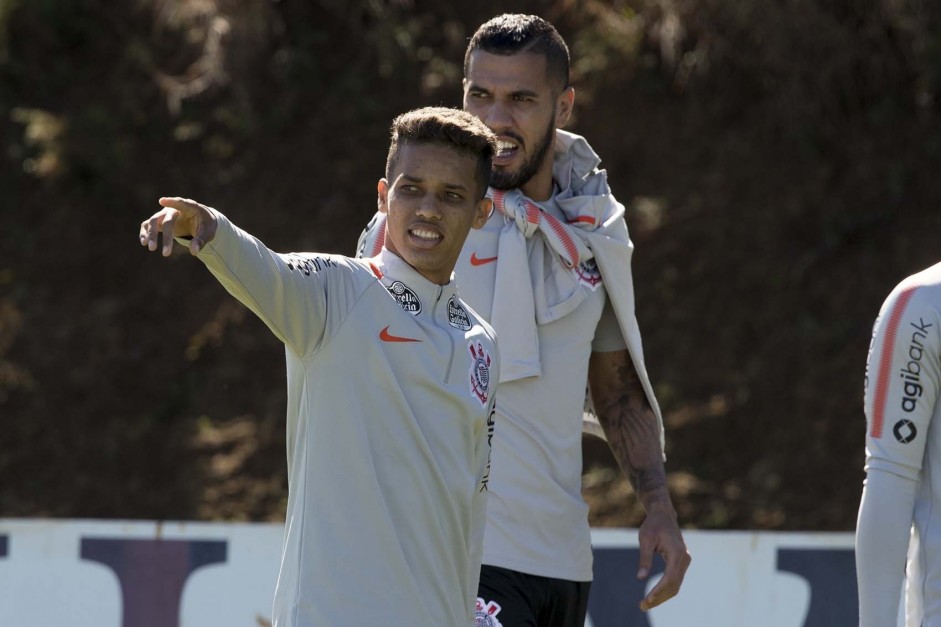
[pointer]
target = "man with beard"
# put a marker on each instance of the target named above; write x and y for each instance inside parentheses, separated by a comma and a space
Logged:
(551, 272)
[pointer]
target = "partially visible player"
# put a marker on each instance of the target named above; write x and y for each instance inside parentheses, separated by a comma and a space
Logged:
(899, 525)
(391, 383)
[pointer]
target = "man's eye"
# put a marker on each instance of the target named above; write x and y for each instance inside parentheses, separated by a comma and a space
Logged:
(408, 188)
(453, 196)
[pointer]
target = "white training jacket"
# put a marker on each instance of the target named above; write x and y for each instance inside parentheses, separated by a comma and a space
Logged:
(537, 520)
(899, 525)
(389, 420)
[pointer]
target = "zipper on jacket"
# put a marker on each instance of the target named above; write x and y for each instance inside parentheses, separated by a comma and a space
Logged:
(448, 332)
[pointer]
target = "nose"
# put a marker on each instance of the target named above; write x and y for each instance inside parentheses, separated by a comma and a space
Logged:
(428, 208)
(496, 115)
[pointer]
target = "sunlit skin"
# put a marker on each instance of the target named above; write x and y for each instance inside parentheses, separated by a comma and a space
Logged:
(431, 203)
(515, 97)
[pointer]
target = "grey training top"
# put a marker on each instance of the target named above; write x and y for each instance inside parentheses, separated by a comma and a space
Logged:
(389, 422)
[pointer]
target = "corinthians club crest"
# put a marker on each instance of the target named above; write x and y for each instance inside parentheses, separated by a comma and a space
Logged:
(588, 274)
(485, 614)
(479, 372)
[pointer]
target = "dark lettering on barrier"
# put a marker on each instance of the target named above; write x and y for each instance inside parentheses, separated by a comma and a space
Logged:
(831, 574)
(616, 591)
(152, 573)
(4, 546)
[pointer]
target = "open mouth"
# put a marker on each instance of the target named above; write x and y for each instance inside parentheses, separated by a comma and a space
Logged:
(425, 235)
(506, 148)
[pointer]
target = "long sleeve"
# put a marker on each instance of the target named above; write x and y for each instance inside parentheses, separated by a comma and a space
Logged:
(902, 384)
(287, 291)
(882, 536)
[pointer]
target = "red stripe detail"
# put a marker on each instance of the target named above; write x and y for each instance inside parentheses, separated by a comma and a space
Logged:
(881, 395)
(565, 237)
(586, 219)
(534, 215)
(376, 270)
(532, 212)
(498, 199)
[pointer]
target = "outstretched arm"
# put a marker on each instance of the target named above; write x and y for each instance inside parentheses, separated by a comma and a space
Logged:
(633, 433)
(288, 292)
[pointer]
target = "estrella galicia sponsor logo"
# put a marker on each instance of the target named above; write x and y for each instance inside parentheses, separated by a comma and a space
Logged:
(309, 265)
(485, 613)
(905, 431)
(479, 372)
(405, 297)
(588, 274)
(911, 371)
(457, 315)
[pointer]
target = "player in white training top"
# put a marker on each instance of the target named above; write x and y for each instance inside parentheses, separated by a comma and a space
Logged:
(551, 272)
(391, 383)
(899, 526)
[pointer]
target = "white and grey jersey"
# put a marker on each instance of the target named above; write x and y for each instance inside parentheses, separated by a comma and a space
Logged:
(390, 416)
(537, 519)
(900, 512)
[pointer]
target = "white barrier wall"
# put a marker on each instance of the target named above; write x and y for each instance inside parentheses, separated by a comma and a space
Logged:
(83, 573)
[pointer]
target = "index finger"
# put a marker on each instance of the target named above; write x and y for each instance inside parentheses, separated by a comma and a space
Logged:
(150, 228)
(180, 204)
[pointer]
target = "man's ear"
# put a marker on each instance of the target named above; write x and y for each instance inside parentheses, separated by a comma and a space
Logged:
(564, 106)
(382, 187)
(484, 209)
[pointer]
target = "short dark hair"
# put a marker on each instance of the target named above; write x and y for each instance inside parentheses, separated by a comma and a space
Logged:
(454, 128)
(513, 33)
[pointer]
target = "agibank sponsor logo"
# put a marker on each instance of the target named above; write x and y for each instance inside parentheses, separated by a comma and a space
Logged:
(911, 371)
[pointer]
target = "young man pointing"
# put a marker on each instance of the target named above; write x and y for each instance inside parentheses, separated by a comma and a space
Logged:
(391, 381)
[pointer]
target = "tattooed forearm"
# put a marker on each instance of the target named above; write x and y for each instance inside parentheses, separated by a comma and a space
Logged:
(629, 424)
(633, 432)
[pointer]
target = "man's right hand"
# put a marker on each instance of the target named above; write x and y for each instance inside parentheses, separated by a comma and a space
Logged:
(180, 217)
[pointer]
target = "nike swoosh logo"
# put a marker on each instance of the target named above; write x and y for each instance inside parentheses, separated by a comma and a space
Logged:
(385, 336)
(479, 261)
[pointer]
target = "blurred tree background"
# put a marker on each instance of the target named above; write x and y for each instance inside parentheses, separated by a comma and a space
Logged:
(779, 160)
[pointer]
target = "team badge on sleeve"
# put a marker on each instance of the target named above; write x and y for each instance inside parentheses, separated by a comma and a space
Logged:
(479, 372)
(457, 315)
(485, 614)
(405, 297)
